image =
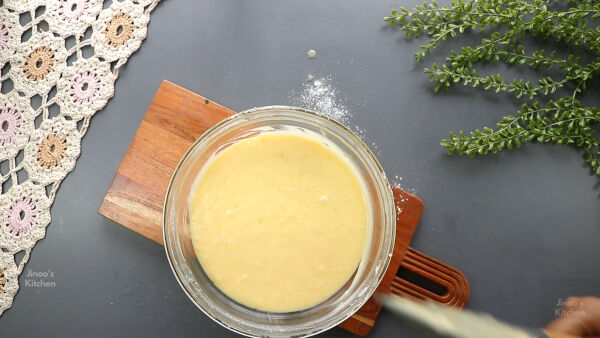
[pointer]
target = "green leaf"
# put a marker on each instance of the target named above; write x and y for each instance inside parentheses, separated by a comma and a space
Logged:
(504, 24)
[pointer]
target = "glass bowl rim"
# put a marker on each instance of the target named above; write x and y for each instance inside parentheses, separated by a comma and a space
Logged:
(389, 231)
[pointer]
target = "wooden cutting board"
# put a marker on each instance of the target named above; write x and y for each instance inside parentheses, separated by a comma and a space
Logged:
(176, 117)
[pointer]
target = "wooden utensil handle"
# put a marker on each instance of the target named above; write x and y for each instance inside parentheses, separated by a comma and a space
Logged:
(453, 282)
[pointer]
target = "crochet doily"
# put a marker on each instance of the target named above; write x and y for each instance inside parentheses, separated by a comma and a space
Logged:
(59, 60)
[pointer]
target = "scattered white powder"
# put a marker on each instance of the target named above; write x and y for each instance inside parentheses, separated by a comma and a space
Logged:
(321, 96)
(397, 181)
(311, 54)
(398, 212)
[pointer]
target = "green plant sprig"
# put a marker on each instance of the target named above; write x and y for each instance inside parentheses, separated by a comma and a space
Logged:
(563, 121)
(444, 77)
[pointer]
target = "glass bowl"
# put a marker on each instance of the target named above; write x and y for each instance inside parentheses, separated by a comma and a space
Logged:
(249, 321)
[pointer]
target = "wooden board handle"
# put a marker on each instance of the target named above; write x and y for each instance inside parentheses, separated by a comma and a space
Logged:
(428, 269)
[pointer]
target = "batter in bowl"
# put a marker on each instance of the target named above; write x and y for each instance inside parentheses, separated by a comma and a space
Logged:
(280, 220)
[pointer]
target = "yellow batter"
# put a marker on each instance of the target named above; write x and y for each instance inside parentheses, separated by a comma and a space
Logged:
(279, 221)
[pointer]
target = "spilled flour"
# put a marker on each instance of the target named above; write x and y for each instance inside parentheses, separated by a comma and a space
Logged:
(321, 95)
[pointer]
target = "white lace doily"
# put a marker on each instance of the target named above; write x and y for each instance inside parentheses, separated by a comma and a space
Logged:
(59, 60)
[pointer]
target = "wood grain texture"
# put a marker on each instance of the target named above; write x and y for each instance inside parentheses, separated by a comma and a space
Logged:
(451, 279)
(176, 117)
(408, 212)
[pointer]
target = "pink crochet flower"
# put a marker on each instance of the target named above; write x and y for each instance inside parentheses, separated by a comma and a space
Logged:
(84, 87)
(10, 121)
(4, 37)
(71, 10)
(21, 216)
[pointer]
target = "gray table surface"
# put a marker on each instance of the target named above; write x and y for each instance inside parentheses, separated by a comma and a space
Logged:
(522, 225)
